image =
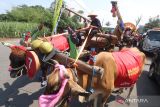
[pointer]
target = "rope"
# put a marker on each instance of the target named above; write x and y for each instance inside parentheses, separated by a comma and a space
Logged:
(77, 1)
(18, 67)
(89, 85)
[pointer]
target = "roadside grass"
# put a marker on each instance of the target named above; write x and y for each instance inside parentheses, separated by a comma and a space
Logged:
(16, 29)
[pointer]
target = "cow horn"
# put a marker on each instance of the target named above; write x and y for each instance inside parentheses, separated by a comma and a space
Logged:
(7, 44)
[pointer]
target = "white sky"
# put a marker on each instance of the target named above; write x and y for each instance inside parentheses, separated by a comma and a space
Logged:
(130, 9)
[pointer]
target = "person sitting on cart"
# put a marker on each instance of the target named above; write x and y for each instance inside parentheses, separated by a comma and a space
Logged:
(95, 22)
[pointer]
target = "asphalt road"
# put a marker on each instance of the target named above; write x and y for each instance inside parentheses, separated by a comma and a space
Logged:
(22, 92)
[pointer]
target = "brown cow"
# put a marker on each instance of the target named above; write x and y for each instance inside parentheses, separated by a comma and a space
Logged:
(106, 60)
(110, 78)
(54, 85)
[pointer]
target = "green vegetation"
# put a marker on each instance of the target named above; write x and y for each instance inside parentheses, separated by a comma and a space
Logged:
(152, 23)
(16, 29)
(24, 13)
(26, 18)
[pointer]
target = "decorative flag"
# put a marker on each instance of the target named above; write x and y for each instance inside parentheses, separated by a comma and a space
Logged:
(57, 12)
(73, 49)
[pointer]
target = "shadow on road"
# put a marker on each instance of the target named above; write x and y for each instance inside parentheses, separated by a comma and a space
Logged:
(147, 87)
(12, 95)
(148, 91)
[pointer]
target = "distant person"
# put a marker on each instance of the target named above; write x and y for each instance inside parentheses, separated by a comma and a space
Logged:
(26, 39)
(95, 21)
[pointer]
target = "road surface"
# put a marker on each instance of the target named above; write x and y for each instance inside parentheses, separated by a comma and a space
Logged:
(22, 92)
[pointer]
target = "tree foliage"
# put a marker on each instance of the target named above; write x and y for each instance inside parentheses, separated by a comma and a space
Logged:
(38, 14)
(26, 13)
(153, 23)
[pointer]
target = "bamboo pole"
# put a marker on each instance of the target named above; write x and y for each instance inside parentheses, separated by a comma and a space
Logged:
(77, 14)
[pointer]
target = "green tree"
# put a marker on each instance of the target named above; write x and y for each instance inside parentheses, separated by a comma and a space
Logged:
(153, 22)
(65, 21)
(26, 13)
(38, 14)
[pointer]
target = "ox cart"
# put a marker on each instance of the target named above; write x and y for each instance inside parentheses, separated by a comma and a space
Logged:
(68, 43)
(32, 60)
(31, 64)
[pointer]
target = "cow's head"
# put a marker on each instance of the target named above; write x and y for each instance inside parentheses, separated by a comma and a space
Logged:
(17, 60)
(55, 79)
(56, 82)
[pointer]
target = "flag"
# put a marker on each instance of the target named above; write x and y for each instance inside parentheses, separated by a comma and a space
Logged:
(73, 49)
(56, 15)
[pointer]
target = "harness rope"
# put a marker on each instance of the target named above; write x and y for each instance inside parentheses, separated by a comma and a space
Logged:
(96, 71)
(18, 67)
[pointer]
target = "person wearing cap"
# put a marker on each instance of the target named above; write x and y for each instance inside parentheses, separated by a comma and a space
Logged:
(95, 21)
(129, 28)
(127, 36)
